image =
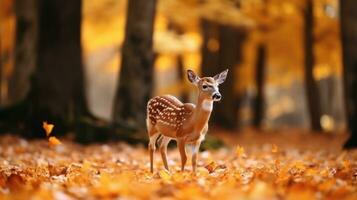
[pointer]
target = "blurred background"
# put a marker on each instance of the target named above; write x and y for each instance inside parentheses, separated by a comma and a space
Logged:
(89, 66)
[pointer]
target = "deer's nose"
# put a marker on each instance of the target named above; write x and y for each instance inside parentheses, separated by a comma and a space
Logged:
(216, 96)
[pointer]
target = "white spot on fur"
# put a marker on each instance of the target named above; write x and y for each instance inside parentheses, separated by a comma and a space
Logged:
(207, 105)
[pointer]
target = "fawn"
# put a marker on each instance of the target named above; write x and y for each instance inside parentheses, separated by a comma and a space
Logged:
(184, 122)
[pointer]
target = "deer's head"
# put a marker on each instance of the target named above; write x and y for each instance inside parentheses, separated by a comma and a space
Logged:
(208, 87)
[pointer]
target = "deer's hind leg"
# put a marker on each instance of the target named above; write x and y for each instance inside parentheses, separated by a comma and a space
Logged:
(153, 135)
(163, 149)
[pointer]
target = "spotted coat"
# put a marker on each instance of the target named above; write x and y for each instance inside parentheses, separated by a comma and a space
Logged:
(169, 111)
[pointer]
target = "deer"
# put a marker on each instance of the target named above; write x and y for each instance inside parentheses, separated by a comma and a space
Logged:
(170, 119)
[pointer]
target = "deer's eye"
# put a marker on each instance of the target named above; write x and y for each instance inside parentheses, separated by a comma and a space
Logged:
(204, 86)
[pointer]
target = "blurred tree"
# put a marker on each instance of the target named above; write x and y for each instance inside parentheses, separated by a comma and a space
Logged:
(231, 40)
(136, 74)
(182, 78)
(260, 85)
(349, 45)
(222, 49)
(57, 85)
(7, 34)
(180, 69)
(312, 93)
(1, 62)
(25, 49)
(57, 92)
(210, 47)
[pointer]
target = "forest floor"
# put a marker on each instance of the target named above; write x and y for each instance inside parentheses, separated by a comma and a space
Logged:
(281, 165)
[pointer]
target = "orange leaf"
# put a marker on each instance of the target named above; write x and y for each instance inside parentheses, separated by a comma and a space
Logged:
(299, 165)
(48, 128)
(346, 164)
(54, 141)
(202, 171)
(240, 152)
(274, 149)
(211, 166)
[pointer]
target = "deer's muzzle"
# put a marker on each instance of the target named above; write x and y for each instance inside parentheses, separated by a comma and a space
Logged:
(216, 96)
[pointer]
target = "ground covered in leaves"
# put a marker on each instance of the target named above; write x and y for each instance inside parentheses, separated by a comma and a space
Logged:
(63, 170)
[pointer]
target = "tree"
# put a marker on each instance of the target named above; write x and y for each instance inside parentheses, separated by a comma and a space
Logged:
(136, 74)
(57, 85)
(226, 54)
(260, 85)
(25, 49)
(58, 92)
(7, 29)
(210, 47)
(312, 93)
(1, 67)
(182, 78)
(349, 46)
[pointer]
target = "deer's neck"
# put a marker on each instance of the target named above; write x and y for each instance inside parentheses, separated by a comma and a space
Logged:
(202, 113)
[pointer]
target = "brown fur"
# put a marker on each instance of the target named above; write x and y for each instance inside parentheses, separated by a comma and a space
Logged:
(186, 123)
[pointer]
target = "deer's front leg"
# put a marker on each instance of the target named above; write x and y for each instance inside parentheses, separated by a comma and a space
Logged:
(152, 148)
(181, 146)
(196, 149)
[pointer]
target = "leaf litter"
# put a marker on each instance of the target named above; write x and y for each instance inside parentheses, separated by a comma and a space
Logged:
(117, 170)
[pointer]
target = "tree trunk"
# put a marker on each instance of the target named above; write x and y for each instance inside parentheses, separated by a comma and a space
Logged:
(260, 85)
(227, 55)
(230, 56)
(57, 92)
(25, 49)
(210, 48)
(312, 92)
(182, 78)
(1, 63)
(136, 74)
(349, 46)
(180, 69)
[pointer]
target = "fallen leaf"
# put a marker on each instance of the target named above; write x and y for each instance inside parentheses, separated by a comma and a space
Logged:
(346, 164)
(164, 175)
(211, 166)
(122, 171)
(48, 128)
(15, 182)
(299, 165)
(274, 149)
(240, 152)
(202, 171)
(86, 166)
(54, 141)
(56, 170)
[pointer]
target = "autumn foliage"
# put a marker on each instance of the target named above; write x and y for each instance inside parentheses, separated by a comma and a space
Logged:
(71, 171)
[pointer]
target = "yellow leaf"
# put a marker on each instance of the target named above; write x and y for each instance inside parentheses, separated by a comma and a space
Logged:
(240, 152)
(324, 173)
(311, 172)
(48, 128)
(299, 165)
(86, 166)
(178, 177)
(274, 149)
(54, 141)
(346, 164)
(327, 185)
(164, 175)
(202, 171)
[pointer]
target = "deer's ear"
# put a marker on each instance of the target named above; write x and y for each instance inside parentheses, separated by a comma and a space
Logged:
(221, 77)
(192, 77)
